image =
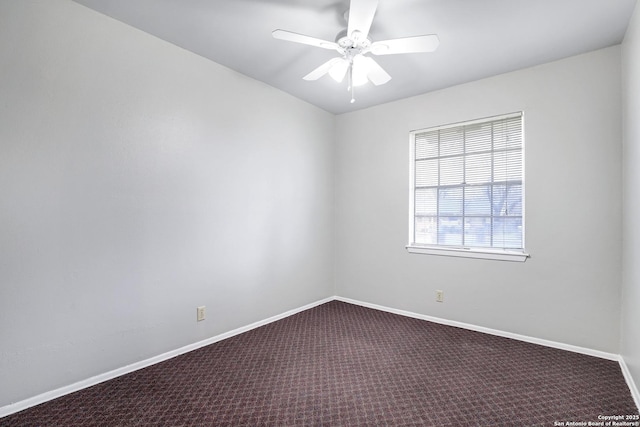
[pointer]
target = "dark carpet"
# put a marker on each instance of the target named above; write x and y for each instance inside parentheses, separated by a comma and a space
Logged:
(343, 365)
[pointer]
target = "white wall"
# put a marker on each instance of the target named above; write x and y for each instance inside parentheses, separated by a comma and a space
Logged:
(138, 181)
(630, 347)
(569, 290)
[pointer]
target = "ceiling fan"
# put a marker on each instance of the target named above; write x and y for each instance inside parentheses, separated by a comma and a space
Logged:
(353, 44)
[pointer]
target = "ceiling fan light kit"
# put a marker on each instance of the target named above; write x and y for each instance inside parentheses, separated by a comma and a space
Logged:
(353, 44)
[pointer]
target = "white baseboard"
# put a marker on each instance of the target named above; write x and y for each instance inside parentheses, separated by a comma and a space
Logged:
(53, 394)
(546, 343)
(629, 379)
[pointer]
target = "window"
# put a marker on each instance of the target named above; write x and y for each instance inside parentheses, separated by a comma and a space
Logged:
(467, 193)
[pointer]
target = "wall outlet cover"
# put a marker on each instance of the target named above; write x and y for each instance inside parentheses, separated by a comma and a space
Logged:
(201, 313)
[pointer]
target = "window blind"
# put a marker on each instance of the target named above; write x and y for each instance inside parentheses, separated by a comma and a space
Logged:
(468, 184)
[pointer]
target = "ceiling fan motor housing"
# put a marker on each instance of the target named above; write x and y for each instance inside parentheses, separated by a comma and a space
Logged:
(346, 42)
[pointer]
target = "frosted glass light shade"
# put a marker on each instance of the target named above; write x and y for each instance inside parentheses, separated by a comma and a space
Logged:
(339, 70)
(360, 71)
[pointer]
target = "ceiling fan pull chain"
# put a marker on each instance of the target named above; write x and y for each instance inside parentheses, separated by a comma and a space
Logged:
(351, 85)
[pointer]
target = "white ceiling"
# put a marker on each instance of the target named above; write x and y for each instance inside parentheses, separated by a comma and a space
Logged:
(478, 38)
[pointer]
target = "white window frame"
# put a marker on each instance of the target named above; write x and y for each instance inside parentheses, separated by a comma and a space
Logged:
(517, 255)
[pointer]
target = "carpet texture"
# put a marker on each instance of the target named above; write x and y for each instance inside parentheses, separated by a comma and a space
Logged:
(344, 365)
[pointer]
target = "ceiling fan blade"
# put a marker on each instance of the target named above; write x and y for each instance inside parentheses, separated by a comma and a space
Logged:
(376, 74)
(301, 38)
(426, 43)
(322, 70)
(360, 18)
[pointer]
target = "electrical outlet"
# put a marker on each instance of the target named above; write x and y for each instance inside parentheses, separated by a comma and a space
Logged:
(439, 296)
(201, 313)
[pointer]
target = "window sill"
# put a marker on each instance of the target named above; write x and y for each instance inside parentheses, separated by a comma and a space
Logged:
(470, 253)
